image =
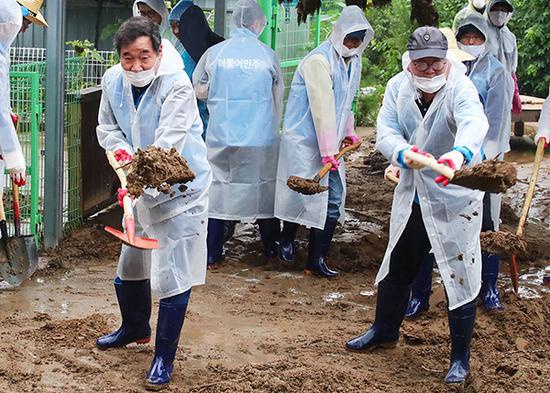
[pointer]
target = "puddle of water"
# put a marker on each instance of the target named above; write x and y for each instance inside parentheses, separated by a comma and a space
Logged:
(366, 293)
(531, 283)
(64, 308)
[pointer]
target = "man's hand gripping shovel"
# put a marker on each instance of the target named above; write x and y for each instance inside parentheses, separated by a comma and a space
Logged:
(129, 237)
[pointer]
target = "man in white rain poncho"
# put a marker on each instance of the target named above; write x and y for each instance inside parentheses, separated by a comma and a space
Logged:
(473, 7)
(502, 44)
(156, 11)
(318, 119)
(491, 81)
(15, 17)
(241, 81)
(148, 100)
(431, 106)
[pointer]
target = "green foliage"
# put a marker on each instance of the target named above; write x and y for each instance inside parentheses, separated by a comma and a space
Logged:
(447, 10)
(85, 49)
(530, 23)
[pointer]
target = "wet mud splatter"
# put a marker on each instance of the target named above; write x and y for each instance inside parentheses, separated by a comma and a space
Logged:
(503, 243)
(305, 186)
(490, 176)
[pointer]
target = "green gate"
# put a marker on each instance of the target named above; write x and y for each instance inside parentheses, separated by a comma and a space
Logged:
(25, 99)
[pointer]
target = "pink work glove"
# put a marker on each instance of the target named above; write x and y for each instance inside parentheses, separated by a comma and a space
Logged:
(516, 101)
(454, 160)
(332, 160)
(122, 156)
(121, 193)
(17, 175)
(350, 140)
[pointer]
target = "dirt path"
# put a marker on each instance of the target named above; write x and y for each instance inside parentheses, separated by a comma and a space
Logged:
(257, 328)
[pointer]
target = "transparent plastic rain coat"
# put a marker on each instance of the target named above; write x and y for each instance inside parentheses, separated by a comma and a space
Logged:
(10, 149)
(452, 214)
(300, 147)
(167, 116)
(544, 121)
(464, 13)
(160, 8)
(501, 41)
(491, 81)
(242, 81)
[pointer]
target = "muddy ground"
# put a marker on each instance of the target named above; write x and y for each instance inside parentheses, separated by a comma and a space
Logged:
(258, 328)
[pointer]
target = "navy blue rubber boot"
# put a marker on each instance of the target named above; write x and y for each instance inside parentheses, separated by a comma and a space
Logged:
(270, 232)
(421, 289)
(288, 244)
(170, 321)
(489, 295)
(461, 326)
(228, 229)
(319, 242)
(215, 241)
(391, 304)
(134, 301)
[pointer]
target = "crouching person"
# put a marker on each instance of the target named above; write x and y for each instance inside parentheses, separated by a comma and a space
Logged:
(148, 100)
(431, 106)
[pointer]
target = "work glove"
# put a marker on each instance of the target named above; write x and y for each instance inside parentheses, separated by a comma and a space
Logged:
(545, 137)
(393, 170)
(516, 101)
(454, 160)
(121, 193)
(335, 164)
(123, 157)
(18, 176)
(350, 140)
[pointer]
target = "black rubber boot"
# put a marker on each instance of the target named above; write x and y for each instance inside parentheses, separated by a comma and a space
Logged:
(319, 242)
(421, 289)
(215, 241)
(270, 232)
(391, 304)
(489, 295)
(170, 321)
(461, 326)
(288, 244)
(134, 301)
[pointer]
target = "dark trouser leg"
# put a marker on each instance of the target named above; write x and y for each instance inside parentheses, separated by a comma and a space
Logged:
(461, 326)
(490, 264)
(215, 240)
(134, 300)
(288, 244)
(170, 321)
(394, 290)
(270, 232)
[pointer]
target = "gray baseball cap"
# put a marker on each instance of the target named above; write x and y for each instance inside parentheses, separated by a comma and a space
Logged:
(427, 41)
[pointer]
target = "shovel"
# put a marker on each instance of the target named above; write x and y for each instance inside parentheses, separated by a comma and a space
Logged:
(492, 176)
(312, 186)
(129, 237)
(19, 258)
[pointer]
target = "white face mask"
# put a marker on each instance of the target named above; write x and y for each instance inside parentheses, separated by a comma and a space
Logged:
(141, 78)
(347, 52)
(429, 85)
(499, 18)
(474, 50)
(479, 4)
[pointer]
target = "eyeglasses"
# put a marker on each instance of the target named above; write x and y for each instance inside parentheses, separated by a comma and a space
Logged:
(148, 14)
(437, 65)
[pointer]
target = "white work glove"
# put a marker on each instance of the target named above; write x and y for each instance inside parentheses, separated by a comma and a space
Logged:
(391, 169)
(18, 176)
(454, 160)
(545, 136)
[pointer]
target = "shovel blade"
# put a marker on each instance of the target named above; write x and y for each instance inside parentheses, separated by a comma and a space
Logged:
(305, 186)
(142, 243)
(20, 261)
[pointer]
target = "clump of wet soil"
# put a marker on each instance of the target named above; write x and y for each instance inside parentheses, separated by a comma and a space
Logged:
(490, 176)
(503, 243)
(158, 168)
(305, 186)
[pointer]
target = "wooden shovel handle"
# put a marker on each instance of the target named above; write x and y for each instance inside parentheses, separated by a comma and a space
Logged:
(127, 201)
(340, 154)
(16, 209)
(532, 184)
(392, 178)
(2, 212)
(431, 163)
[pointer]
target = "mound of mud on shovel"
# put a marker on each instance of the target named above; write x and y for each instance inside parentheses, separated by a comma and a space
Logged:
(158, 168)
(503, 243)
(490, 176)
(305, 186)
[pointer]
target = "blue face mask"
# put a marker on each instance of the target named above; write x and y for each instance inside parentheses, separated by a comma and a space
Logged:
(25, 11)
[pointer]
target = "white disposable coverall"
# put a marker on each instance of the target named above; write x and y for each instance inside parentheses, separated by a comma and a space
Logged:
(166, 117)
(10, 24)
(243, 83)
(318, 117)
(452, 214)
(544, 121)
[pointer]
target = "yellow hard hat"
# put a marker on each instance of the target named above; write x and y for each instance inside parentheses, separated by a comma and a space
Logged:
(34, 11)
